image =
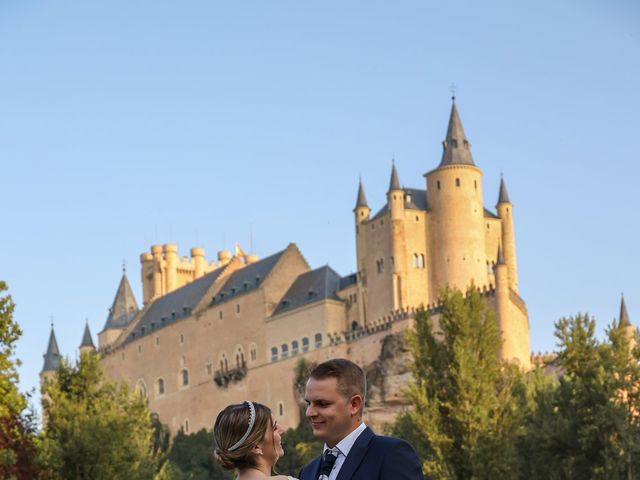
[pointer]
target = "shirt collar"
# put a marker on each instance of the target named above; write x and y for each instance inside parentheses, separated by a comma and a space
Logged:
(344, 445)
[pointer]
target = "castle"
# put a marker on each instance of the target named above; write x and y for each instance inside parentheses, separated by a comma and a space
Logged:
(210, 333)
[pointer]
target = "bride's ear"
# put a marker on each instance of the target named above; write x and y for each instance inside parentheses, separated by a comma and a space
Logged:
(257, 450)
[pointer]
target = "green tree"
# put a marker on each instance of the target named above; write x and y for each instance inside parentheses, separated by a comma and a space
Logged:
(587, 427)
(95, 428)
(466, 402)
(193, 456)
(17, 449)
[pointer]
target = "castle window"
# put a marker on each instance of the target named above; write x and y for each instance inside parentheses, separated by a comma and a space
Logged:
(380, 265)
(240, 357)
(157, 341)
(160, 386)
(184, 377)
(141, 388)
(457, 182)
(392, 260)
(454, 143)
(285, 350)
(181, 338)
(422, 264)
(224, 362)
(475, 184)
(294, 347)
(220, 314)
(238, 308)
(417, 218)
(373, 226)
(438, 184)
(318, 340)
(209, 368)
(186, 426)
(381, 222)
(305, 344)
(139, 348)
(415, 260)
(258, 280)
(253, 352)
(274, 354)
(280, 408)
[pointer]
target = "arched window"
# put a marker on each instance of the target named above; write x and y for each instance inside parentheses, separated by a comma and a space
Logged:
(160, 386)
(253, 352)
(186, 426)
(280, 409)
(422, 264)
(184, 377)
(305, 344)
(141, 388)
(318, 340)
(274, 354)
(457, 182)
(240, 357)
(415, 261)
(223, 361)
(285, 350)
(294, 347)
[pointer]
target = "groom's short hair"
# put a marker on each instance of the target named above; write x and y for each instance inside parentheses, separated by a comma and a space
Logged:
(350, 377)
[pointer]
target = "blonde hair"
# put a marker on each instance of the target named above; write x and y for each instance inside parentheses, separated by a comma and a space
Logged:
(231, 425)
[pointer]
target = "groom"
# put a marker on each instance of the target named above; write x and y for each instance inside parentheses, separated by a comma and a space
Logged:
(335, 397)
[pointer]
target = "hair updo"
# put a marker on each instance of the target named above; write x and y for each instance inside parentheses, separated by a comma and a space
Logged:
(232, 423)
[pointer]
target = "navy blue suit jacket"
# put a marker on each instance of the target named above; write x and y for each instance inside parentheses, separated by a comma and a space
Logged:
(373, 457)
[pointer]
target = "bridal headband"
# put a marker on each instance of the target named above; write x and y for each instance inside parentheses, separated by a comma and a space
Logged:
(252, 420)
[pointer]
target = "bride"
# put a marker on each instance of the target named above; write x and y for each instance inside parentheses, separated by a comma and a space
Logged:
(248, 441)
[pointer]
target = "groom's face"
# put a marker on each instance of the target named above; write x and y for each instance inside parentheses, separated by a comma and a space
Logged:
(331, 414)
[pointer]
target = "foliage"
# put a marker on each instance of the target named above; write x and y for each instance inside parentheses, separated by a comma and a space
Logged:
(17, 448)
(588, 426)
(300, 447)
(192, 455)
(95, 428)
(466, 402)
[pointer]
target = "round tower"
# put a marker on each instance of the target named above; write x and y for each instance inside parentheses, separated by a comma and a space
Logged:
(505, 212)
(501, 273)
(171, 266)
(456, 215)
(199, 262)
(146, 273)
(158, 284)
(224, 257)
(395, 201)
(361, 215)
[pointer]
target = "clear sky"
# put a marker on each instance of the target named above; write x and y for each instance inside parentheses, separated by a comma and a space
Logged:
(127, 123)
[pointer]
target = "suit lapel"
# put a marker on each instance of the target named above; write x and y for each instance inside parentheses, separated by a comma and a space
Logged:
(315, 468)
(356, 454)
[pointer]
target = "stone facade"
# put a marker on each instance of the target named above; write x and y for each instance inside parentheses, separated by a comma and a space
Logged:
(212, 333)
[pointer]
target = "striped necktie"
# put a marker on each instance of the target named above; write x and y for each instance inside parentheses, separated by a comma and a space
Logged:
(326, 464)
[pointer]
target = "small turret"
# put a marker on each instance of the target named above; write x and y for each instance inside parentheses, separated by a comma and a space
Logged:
(361, 209)
(171, 267)
(51, 358)
(199, 261)
(505, 212)
(395, 195)
(123, 310)
(625, 323)
(87, 346)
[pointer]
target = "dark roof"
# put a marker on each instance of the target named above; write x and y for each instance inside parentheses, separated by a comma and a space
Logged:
(319, 284)
(362, 200)
(457, 150)
(86, 337)
(348, 280)
(247, 278)
(624, 315)
(124, 307)
(394, 183)
(490, 214)
(174, 305)
(52, 357)
(503, 197)
(418, 199)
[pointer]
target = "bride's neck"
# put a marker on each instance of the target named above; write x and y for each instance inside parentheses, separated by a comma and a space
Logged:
(260, 471)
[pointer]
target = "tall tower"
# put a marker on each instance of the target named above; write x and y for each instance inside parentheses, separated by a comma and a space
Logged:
(395, 201)
(51, 359)
(456, 215)
(361, 215)
(87, 346)
(625, 323)
(505, 212)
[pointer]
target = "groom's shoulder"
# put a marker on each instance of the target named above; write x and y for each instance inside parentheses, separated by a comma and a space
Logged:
(389, 444)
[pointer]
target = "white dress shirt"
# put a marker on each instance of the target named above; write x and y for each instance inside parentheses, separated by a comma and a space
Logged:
(343, 447)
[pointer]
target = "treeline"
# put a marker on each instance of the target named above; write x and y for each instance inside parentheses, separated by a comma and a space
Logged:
(472, 416)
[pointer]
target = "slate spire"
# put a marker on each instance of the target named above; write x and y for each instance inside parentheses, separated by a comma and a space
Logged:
(503, 197)
(86, 338)
(624, 315)
(394, 183)
(124, 306)
(456, 148)
(362, 200)
(52, 357)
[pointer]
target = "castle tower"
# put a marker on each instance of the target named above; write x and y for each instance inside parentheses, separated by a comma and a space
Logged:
(122, 311)
(361, 215)
(625, 323)
(199, 261)
(171, 267)
(501, 273)
(456, 215)
(51, 359)
(505, 212)
(395, 201)
(87, 346)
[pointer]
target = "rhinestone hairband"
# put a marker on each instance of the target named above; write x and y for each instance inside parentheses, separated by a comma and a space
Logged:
(252, 420)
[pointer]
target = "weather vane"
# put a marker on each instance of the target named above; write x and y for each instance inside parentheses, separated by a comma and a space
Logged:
(452, 89)
(124, 266)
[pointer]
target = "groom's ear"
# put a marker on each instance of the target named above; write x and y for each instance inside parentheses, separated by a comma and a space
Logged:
(355, 405)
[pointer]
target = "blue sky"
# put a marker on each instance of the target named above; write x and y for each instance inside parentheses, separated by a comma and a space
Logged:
(127, 123)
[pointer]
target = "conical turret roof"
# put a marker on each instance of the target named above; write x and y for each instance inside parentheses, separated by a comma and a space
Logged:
(362, 199)
(52, 357)
(394, 183)
(624, 315)
(503, 197)
(86, 337)
(457, 150)
(124, 306)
